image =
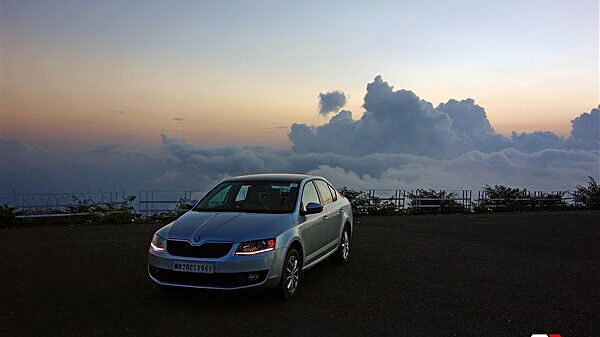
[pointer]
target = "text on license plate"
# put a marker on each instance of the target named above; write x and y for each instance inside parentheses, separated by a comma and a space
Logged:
(193, 267)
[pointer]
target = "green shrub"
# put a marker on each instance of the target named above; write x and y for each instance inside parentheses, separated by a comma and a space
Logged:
(503, 198)
(551, 200)
(589, 196)
(380, 206)
(7, 217)
(435, 201)
(364, 204)
(88, 211)
(182, 206)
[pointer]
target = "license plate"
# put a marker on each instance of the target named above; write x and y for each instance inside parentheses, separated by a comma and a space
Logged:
(193, 267)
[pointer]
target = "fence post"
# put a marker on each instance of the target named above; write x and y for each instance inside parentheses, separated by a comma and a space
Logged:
(403, 200)
(470, 200)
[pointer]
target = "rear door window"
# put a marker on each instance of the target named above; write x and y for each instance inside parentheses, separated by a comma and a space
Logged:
(324, 192)
(333, 192)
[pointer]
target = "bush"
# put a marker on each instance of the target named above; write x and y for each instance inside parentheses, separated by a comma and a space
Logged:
(435, 201)
(81, 206)
(185, 204)
(364, 204)
(86, 210)
(503, 198)
(380, 206)
(7, 217)
(116, 213)
(359, 200)
(551, 200)
(589, 196)
(182, 206)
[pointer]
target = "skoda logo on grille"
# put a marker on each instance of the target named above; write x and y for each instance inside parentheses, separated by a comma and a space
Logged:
(197, 239)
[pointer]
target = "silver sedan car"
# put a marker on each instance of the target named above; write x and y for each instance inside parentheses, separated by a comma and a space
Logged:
(256, 231)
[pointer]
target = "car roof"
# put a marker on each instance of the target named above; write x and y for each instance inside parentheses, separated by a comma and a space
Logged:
(272, 177)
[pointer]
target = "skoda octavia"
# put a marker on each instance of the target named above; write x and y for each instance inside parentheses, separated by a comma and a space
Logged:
(253, 231)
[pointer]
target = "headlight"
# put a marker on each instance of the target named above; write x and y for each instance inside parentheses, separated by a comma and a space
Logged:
(158, 243)
(255, 247)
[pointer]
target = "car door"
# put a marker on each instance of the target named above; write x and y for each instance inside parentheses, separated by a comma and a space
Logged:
(311, 225)
(338, 222)
(331, 215)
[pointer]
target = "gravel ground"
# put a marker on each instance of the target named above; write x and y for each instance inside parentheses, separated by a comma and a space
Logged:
(438, 275)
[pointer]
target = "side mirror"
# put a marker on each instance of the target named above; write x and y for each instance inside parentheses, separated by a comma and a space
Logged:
(312, 208)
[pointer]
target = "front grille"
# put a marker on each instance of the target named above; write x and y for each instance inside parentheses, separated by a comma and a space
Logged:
(207, 250)
(220, 280)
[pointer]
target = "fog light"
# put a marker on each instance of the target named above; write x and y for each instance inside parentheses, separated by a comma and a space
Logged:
(253, 276)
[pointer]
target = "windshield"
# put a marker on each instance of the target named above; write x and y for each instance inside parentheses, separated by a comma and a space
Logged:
(252, 196)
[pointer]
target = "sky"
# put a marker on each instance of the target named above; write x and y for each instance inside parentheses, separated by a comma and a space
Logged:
(178, 95)
(79, 73)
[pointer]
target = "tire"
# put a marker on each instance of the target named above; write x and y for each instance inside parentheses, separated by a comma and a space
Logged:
(342, 255)
(290, 275)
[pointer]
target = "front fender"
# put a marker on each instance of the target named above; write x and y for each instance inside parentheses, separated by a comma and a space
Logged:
(284, 241)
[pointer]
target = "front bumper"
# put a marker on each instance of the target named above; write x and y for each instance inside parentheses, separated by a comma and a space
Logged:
(208, 281)
(230, 272)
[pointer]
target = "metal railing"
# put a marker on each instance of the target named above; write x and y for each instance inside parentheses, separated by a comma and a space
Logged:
(404, 201)
(375, 201)
(440, 199)
(394, 200)
(152, 202)
(63, 204)
(530, 200)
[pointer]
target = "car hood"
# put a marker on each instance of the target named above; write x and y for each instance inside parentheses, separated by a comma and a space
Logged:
(228, 226)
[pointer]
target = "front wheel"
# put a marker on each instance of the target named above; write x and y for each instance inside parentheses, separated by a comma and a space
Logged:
(290, 276)
(343, 253)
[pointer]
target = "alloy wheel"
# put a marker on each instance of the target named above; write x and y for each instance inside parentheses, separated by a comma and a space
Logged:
(292, 274)
(345, 245)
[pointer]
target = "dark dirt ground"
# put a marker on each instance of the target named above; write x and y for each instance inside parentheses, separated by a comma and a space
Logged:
(432, 275)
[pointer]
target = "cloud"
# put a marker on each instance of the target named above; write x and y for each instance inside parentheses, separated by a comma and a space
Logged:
(179, 165)
(470, 123)
(30, 168)
(331, 102)
(547, 169)
(179, 119)
(537, 141)
(585, 132)
(467, 117)
(587, 126)
(398, 121)
(276, 129)
(395, 121)
(106, 149)
(401, 141)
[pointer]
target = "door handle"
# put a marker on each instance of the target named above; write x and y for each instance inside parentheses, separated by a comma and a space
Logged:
(325, 217)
